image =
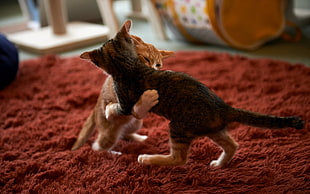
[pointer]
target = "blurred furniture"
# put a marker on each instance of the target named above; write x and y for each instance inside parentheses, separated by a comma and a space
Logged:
(149, 13)
(239, 24)
(59, 35)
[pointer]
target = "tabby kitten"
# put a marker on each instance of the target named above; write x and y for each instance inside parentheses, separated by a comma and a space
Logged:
(112, 126)
(192, 108)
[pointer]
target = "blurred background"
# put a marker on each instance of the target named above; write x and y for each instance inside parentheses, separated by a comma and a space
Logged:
(21, 15)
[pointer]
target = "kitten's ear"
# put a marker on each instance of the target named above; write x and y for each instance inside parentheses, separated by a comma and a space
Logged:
(85, 55)
(166, 54)
(126, 27)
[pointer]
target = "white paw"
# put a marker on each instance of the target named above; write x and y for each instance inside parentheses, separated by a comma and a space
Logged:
(144, 159)
(96, 146)
(215, 163)
(139, 138)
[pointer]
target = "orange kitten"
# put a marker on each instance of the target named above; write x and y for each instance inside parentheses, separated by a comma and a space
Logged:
(112, 126)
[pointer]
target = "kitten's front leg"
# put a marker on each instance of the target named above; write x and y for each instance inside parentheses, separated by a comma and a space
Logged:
(147, 100)
(111, 111)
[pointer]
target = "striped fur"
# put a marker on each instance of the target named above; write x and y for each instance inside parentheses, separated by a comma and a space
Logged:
(192, 108)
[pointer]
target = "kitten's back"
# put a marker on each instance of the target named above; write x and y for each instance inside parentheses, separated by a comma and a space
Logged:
(184, 99)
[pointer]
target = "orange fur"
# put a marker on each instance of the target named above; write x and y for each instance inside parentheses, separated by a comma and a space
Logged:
(112, 126)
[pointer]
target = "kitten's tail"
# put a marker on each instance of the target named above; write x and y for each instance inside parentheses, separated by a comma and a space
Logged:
(87, 130)
(263, 120)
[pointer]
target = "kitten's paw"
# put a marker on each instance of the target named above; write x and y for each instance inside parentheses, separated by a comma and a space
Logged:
(150, 97)
(147, 100)
(138, 138)
(96, 146)
(215, 163)
(144, 159)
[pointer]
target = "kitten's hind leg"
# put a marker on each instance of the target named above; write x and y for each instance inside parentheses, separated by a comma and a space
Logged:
(177, 156)
(131, 128)
(229, 146)
(86, 132)
(105, 144)
(106, 139)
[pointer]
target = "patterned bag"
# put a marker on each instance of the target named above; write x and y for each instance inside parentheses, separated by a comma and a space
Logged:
(237, 23)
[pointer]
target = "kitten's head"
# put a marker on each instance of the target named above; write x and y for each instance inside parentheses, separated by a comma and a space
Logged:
(128, 47)
(120, 46)
(149, 54)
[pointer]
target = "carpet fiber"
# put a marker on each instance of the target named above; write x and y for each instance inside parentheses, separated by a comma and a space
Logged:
(42, 111)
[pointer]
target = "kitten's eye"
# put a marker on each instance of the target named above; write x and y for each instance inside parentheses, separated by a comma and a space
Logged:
(147, 60)
(158, 65)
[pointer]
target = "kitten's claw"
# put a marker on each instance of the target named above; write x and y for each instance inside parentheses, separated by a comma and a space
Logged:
(144, 159)
(147, 100)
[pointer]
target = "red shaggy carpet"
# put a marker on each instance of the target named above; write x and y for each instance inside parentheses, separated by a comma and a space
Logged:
(42, 111)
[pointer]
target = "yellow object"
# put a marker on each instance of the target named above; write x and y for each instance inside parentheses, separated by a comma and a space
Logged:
(243, 24)
(247, 24)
